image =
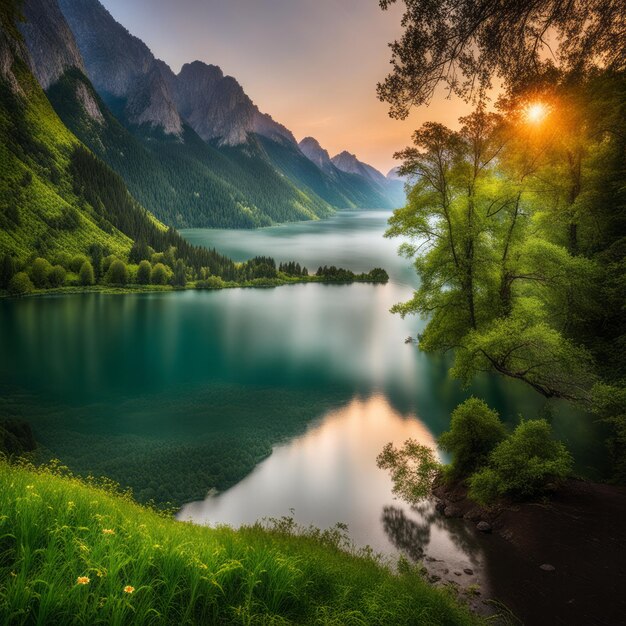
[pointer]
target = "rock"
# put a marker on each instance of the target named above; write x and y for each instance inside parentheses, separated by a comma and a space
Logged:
(452, 511)
(474, 514)
(469, 571)
(434, 578)
(483, 527)
(546, 567)
(457, 573)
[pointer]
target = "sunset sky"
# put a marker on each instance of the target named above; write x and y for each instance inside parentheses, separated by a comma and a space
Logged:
(312, 65)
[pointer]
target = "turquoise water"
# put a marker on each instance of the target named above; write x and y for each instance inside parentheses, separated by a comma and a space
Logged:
(280, 398)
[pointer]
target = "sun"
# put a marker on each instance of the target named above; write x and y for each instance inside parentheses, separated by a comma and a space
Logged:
(535, 112)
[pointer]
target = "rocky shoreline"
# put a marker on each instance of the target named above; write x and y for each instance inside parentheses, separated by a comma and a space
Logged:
(559, 561)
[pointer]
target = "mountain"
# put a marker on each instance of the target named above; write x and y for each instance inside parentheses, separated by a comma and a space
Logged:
(347, 162)
(192, 146)
(217, 107)
(312, 150)
(56, 198)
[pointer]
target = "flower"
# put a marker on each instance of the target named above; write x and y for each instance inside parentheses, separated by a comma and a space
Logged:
(108, 531)
(128, 589)
(82, 580)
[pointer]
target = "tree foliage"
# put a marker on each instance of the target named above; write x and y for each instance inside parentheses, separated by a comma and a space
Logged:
(475, 430)
(464, 44)
(413, 469)
(86, 274)
(523, 465)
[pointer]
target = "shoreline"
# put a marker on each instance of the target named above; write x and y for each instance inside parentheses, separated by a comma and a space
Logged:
(259, 283)
(559, 561)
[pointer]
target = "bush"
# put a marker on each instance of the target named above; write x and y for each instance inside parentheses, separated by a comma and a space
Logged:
(117, 273)
(160, 275)
(86, 274)
(522, 465)
(20, 284)
(39, 270)
(143, 273)
(211, 282)
(475, 430)
(56, 276)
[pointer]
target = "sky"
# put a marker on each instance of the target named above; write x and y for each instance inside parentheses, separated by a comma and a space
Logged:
(313, 65)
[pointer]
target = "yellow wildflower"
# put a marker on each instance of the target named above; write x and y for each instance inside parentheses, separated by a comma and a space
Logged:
(128, 589)
(82, 580)
(108, 531)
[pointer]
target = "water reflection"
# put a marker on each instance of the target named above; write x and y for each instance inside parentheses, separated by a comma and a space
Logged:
(329, 475)
(407, 535)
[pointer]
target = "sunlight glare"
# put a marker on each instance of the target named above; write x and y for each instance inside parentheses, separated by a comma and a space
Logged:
(535, 112)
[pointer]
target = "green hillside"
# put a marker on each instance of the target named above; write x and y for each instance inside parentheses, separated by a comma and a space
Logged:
(39, 208)
(72, 553)
(185, 182)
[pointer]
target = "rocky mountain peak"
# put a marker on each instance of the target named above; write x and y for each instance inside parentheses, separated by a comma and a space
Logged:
(52, 48)
(151, 103)
(348, 162)
(313, 151)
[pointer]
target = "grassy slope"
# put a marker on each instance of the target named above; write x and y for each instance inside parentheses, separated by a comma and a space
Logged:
(35, 152)
(51, 532)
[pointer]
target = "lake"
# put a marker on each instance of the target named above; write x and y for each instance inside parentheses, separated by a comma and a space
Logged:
(280, 398)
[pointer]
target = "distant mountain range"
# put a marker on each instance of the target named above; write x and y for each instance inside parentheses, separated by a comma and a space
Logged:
(192, 147)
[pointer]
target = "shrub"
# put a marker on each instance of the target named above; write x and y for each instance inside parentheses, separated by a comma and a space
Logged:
(475, 430)
(86, 274)
(117, 273)
(39, 270)
(20, 284)
(160, 275)
(56, 276)
(522, 465)
(143, 273)
(211, 282)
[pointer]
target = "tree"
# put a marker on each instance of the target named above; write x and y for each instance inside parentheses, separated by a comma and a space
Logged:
(117, 274)
(159, 275)
(475, 430)
(413, 469)
(97, 252)
(38, 272)
(20, 284)
(493, 288)
(463, 44)
(522, 465)
(86, 274)
(56, 276)
(8, 268)
(139, 252)
(143, 273)
(179, 279)
(76, 262)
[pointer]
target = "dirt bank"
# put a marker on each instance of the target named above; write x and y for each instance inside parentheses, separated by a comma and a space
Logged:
(562, 561)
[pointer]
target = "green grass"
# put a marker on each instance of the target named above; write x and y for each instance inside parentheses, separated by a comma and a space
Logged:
(52, 532)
